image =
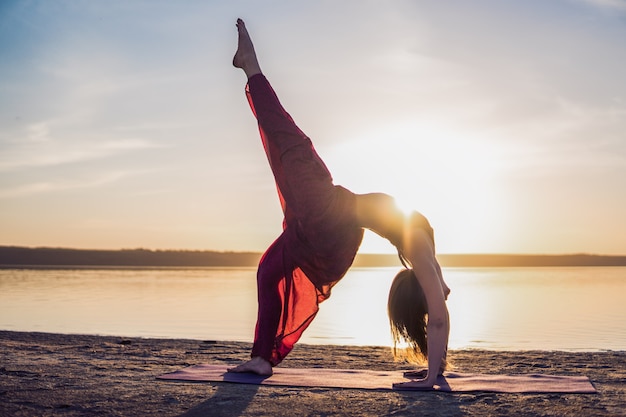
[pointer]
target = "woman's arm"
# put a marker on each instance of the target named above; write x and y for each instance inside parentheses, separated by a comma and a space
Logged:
(378, 212)
(420, 253)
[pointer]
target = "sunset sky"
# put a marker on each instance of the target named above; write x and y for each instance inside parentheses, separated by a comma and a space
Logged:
(124, 125)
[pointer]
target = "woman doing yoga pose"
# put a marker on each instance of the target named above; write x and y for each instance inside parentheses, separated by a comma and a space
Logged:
(322, 230)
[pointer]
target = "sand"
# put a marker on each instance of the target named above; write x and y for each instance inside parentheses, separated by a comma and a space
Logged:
(44, 374)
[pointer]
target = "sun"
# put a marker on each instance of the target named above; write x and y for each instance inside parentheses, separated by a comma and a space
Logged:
(449, 176)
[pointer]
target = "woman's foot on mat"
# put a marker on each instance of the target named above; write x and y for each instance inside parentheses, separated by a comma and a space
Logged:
(256, 365)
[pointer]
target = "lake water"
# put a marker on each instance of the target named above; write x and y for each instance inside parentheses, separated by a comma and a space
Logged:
(570, 309)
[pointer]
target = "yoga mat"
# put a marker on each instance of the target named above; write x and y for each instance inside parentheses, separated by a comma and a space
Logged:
(383, 380)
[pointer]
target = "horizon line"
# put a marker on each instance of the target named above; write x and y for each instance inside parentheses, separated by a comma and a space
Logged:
(234, 251)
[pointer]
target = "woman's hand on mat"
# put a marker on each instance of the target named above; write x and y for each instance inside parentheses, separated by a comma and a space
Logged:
(419, 381)
(421, 374)
(415, 385)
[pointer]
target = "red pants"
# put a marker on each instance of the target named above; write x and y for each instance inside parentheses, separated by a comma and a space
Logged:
(320, 233)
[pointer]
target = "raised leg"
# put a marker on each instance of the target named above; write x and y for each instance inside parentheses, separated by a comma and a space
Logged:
(245, 57)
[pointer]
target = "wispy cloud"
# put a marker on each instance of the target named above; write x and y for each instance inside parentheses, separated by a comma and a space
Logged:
(610, 4)
(40, 187)
(39, 149)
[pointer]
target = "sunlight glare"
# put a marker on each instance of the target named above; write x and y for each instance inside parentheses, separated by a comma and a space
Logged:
(404, 205)
(449, 176)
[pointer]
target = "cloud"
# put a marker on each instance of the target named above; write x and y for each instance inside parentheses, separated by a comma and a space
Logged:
(41, 150)
(607, 4)
(40, 187)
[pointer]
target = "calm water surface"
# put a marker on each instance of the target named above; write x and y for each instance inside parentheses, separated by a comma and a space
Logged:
(493, 308)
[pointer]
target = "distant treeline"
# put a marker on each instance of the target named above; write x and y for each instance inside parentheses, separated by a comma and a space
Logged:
(12, 256)
(497, 260)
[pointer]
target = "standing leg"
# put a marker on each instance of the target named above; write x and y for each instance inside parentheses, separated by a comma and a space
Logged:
(270, 273)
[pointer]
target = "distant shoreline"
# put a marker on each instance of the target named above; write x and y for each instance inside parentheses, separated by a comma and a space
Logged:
(42, 257)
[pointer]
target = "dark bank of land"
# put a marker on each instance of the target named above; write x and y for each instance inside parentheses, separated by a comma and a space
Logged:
(15, 256)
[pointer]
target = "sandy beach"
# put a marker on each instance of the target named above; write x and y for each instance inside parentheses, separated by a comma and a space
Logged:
(44, 374)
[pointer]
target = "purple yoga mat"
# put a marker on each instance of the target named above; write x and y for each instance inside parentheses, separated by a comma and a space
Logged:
(383, 380)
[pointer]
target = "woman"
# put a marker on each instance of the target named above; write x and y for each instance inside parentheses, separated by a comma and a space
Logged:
(322, 230)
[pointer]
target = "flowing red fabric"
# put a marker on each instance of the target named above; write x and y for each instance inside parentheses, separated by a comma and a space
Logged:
(320, 234)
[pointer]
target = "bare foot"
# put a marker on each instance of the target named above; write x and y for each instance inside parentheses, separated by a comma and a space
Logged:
(245, 57)
(256, 365)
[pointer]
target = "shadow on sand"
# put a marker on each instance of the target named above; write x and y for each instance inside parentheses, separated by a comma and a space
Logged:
(232, 400)
(228, 400)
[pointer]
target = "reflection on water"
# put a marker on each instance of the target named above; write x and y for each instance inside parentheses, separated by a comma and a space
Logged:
(189, 303)
(492, 308)
(539, 308)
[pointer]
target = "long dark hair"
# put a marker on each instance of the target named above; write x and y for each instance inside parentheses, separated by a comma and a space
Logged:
(408, 310)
